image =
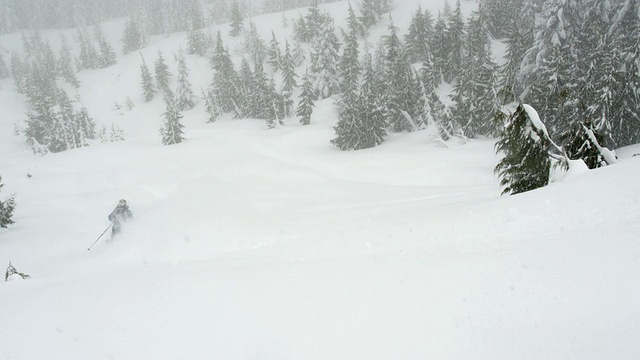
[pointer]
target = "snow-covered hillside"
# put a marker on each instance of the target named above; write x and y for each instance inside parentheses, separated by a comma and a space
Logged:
(251, 243)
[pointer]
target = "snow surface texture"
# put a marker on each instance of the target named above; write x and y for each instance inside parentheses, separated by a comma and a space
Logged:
(258, 244)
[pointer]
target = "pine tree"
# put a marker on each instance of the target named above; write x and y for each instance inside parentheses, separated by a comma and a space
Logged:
(65, 66)
(162, 75)
(7, 207)
(273, 53)
(148, 87)
(455, 35)
(354, 24)
(19, 73)
(298, 54)
(369, 16)
(549, 67)
(197, 42)
(324, 62)
(625, 125)
(439, 49)
(525, 145)
(88, 58)
(474, 91)
(211, 106)
(348, 126)
(288, 80)
(172, 128)
(400, 98)
(418, 36)
(307, 99)
(4, 70)
(133, 38)
(195, 15)
(236, 20)
(107, 56)
(86, 125)
(372, 120)
(519, 40)
(184, 93)
(225, 83)
(254, 45)
(583, 141)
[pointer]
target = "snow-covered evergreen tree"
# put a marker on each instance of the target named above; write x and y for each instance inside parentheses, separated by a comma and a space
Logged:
(254, 45)
(236, 20)
(162, 74)
(7, 207)
(225, 83)
(549, 69)
(455, 35)
(353, 22)
(172, 128)
(288, 80)
(625, 124)
(273, 53)
(474, 94)
(401, 99)
(306, 100)
(89, 58)
(418, 37)
(184, 100)
(584, 141)
(369, 16)
(148, 87)
(133, 38)
(211, 106)
(348, 126)
(65, 65)
(525, 146)
(197, 42)
(107, 56)
(324, 61)
(4, 70)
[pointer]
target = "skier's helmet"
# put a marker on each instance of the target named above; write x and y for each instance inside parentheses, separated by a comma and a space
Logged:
(122, 202)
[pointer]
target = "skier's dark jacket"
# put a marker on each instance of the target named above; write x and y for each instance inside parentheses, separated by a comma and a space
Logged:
(119, 215)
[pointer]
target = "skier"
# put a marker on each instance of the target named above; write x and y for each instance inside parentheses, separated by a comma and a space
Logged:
(118, 216)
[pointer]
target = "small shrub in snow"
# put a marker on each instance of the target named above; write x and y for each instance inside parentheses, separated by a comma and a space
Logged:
(12, 271)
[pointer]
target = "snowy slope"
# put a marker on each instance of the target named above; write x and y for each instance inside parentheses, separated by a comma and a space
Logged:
(251, 243)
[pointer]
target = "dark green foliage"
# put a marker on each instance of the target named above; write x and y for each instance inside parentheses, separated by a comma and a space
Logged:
(474, 96)
(211, 106)
(254, 45)
(162, 74)
(133, 38)
(526, 163)
(369, 16)
(65, 66)
(273, 53)
(455, 35)
(288, 80)
(197, 42)
(4, 71)
(236, 20)
(402, 99)
(583, 141)
(7, 207)
(107, 56)
(148, 87)
(172, 128)
(418, 37)
(225, 82)
(184, 93)
(324, 61)
(306, 102)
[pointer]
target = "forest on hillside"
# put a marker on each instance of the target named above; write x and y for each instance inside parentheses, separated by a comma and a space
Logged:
(576, 62)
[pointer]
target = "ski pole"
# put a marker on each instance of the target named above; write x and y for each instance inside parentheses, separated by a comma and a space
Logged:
(105, 230)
